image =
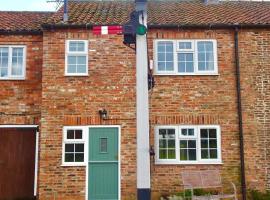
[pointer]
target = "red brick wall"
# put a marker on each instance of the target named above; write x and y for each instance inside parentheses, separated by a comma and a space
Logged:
(174, 100)
(255, 70)
(20, 100)
(76, 101)
(193, 100)
(212, 100)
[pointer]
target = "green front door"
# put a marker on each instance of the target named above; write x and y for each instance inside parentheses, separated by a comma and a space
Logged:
(103, 164)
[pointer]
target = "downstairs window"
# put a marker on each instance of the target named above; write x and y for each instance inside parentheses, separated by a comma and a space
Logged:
(188, 145)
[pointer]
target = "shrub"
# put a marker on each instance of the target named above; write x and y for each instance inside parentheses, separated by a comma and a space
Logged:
(257, 195)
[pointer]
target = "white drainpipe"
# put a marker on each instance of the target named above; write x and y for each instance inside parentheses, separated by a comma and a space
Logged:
(143, 156)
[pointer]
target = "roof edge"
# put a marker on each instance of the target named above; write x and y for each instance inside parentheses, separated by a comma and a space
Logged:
(152, 26)
(21, 32)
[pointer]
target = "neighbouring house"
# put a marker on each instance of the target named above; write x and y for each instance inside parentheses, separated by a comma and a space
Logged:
(68, 98)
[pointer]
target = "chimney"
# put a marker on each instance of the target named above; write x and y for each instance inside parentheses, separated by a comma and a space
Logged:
(65, 17)
(211, 1)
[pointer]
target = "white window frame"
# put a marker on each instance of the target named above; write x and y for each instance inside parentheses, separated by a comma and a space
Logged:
(196, 136)
(74, 141)
(195, 57)
(14, 77)
(79, 53)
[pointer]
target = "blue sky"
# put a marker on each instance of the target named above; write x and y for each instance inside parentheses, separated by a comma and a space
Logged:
(36, 5)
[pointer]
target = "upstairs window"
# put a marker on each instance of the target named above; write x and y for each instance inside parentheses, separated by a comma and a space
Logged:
(188, 144)
(12, 62)
(186, 57)
(76, 58)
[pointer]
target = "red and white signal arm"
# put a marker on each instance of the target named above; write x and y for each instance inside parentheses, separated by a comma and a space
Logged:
(107, 30)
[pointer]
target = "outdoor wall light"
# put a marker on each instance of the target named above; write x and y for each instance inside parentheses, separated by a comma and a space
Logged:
(103, 113)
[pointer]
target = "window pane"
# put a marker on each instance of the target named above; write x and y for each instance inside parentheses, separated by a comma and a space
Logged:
(185, 62)
(161, 57)
(70, 134)
(183, 144)
(205, 56)
(161, 66)
(213, 143)
(204, 153)
(4, 72)
(192, 154)
(169, 57)
(184, 132)
(171, 143)
(78, 134)
(192, 144)
(162, 143)
(213, 153)
(79, 157)
(212, 133)
(81, 60)
(17, 61)
(103, 145)
(81, 69)
(78, 46)
(69, 147)
(183, 154)
(165, 56)
(71, 69)
(171, 133)
(162, 154)
(191, 132)
(162, 133)
(72, 60)
(171, 154)
(79, 147)
(204, 143)
(184, 45)
(201, 66)
(169, 66)
(204, 133)
(161, 47)
(69, 157)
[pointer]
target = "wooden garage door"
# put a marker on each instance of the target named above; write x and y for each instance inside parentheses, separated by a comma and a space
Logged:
(17, 163)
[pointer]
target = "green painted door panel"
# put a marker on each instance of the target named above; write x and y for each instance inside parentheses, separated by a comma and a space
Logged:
(103, 144)
(103, 181)
(103, 164)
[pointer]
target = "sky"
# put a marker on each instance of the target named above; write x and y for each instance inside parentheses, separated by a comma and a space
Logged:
(31, 5)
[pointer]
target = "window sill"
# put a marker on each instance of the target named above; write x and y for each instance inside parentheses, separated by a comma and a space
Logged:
(188, 163)
(74, 165)
(82, 75)
(13, 79)
(197, 74)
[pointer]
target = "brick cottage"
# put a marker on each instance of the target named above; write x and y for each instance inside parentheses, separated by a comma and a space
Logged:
(68, 99)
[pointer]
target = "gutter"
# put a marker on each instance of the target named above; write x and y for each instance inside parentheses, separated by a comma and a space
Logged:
(240, 116)
(166, 26)
(21, 32)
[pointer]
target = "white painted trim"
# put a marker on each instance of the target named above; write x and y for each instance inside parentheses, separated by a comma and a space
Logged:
(83, 53)
(177, 161)
(36, 164)
(75, 141)
(195, 55)
(10, 49)
(36, 150)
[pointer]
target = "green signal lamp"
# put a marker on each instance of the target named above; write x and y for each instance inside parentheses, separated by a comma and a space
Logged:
(141, 29)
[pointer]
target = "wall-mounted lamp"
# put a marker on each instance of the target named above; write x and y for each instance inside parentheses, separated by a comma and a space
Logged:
(103, 113)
